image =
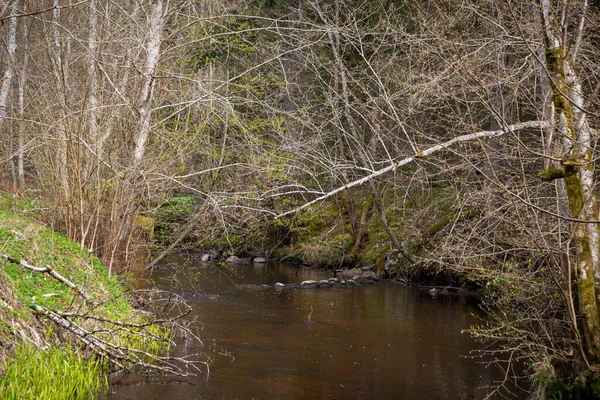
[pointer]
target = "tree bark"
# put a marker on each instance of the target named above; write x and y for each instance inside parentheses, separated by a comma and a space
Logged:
(572, 124)
(60, 77)
(155, 28)
(410, 159)
(9, 72)
(22, 81)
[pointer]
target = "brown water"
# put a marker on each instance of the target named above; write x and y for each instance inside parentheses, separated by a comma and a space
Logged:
(383, 341)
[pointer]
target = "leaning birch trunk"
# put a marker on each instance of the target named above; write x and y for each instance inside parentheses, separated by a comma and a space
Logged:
(571, 123)
(407, 160)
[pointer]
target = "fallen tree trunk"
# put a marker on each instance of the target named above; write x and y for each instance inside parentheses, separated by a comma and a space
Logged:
(49, 271)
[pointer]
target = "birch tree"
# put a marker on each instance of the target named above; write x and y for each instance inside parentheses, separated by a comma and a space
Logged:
(9, 72)
(577, 169)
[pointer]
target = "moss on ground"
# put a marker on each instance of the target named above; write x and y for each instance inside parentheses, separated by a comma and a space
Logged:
(323, 235)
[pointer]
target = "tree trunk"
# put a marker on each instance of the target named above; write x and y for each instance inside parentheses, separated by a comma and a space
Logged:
(9, 72)
(155, 27)
(572, 125)
(21, 93)
(60, 77)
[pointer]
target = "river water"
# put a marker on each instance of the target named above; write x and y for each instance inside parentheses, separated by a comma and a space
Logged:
(381, 341)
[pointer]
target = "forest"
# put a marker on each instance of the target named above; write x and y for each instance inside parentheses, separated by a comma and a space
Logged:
(444, 142)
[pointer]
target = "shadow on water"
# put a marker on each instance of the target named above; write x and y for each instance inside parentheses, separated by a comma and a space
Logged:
(382, 341)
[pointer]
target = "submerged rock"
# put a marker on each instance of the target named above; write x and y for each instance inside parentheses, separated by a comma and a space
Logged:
(252, 287)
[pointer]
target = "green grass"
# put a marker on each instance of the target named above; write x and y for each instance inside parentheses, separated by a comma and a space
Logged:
(23, 238)
(60, 371)
(55, 373)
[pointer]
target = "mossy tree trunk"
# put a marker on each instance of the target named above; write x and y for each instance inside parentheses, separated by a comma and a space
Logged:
(570, 122)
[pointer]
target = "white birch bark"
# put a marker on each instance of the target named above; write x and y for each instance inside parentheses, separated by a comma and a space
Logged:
(144, 104)
(11, 47)
(425, 153)
(93, 86)
(572, 124)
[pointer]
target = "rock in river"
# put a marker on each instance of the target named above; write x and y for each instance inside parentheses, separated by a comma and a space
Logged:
(366, 276)
(234, 260)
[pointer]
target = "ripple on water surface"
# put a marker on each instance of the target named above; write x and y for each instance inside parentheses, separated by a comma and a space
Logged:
(382, 341)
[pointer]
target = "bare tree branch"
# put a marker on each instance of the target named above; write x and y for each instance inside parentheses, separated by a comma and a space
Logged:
(408, 160)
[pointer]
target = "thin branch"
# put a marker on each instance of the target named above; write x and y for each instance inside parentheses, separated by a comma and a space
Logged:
(47, 269)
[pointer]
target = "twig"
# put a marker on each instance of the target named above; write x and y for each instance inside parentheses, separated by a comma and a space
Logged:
(47, 269)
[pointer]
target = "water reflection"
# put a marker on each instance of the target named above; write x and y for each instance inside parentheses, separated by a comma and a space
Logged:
(383, 341)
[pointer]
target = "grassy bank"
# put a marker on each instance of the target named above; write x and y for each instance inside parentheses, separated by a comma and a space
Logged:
(38, 358)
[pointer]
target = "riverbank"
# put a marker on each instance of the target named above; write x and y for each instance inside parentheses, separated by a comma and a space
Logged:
(55, 299)
(442, 240)
(335, 235)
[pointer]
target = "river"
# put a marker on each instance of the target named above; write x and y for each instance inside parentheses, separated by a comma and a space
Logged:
(380, 341)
